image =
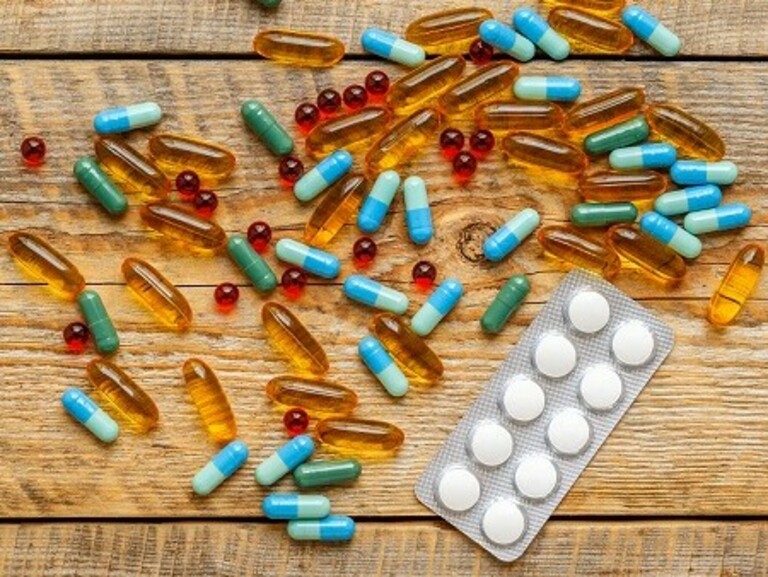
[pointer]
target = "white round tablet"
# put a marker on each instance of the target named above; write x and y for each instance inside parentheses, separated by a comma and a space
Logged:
(523, 400)
(536, 477)
(555, 356)
(600, 388)
(589, 311)
(458, 489)
(633, 344)
(491, 444)
(503, 522)
(569, 432)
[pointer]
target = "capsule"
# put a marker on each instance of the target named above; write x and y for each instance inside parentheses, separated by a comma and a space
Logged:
(291, 338)
(123, 394)
(404, 140)
(605, 110)
(318, 397)
(687, 172)
(441, 302)
(295, 506)
(86, 412)
(604, 7)
(657, 260)
(362, 437)
(510, 235)
(418, 216)
(540, 153)
(411, 353)
(173, 154)
(689, 134)
(221, 467)
(602, 214)
(570, 245)
(157, 293)
(285, 460)
(506, 116)
(558, 88)
(352, 130)
(331, 528)
(689, 199)
(313, 260)
(621, 186)
(538, 31)
(447, 32)
(325, 473)
(100, 187)
(183, 225)
(130, 169)
(723, 217)
(374, 294)
(505, 303)
(652, 155)
(590, 32)
(324, 174)
(737, 285)
(266, 127)
(390, 46)
(125, 118)
(506, 40)
(338, 207)
(424, 84)
(376, 204)
(619, 135)
(478, 87)
(650, 30)
(102, 330)
(43, 262)
(251, 263)
(299, 48)
(383, 367)
(211, 401)
(668, 233)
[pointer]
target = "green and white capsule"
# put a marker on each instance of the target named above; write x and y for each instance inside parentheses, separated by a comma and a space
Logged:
(650, 30)
(383, 366)
(689, 199)
(86, 412)
(294, 506)
(651, 155)
(688, 172)
(552, 88)
(266, 127)
(603, 214)
(668, 233)
(324, 473)
(724, 217)
(331, 528)
(440, 303)
(220, 468)
(94, 312)
(374, 294)
(285, 460)
(100, 186)
(538, 31)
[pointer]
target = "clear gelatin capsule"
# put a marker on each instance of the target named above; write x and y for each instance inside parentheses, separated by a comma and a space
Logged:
(292, 339)
(507, 116)
(330, 528)
(510, 235)
(86, 412)
(374, 294)
(99, 323)
(123, 394)
(362, 437)
(211, 401)
(537, 152)
(651, 155)
(43, 262)
(411, 353)
(295, 506)
(284, 460)
(589, 32)
(183, 225)
(723, 217)
(418, 216)
(390, 46)
(130, 169)
(325, 473)
(538, 31)
(441, 302)
(351, 131)
(221, 467)
(479, 86)
(264, 125)
(505, 303)
(572, 246)
(605, 110)
(324, 174)
(687, 172)
(602, 214)
(318, 397)
(251, 263)
(656, 259)
(737, 285)
(313, 260)
(610, 186)
(299, 48)
(425, 83)
(99, 186)
(670, 234)
(404, 140)
(174, 154)
(557, 88)
(376, 204)
(604, 7)
(125, 118)
(448, 31)
(504, 39)
(648, 29)
(689, 199)
(619, 135)
(157, 293)
(338, 207)
(690, 135)
(382, 366)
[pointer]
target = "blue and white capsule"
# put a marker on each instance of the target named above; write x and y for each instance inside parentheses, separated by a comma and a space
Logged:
(125, 118)
(391, 47)
(377, 203)
(644, 156)
(538, 31)
(554, 88)
(285, 460)
(295, 506)
(687, 172)
(418, 216)
(511, 234)
(220, 468)
(374, 294)
(689, 199)
(438, 305)
(668, 233)
(383, 367)
(506, 40)
(332, 528)
(650, 30)
(329, 170)
(86, 412)
(724, 217)
(313, 260)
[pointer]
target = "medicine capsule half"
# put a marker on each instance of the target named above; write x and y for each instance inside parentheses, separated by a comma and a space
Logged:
(99, 323)
(382, 366)
(374, 294)
(329, 170)
(589, 32)
(338, 207)
(448, 31)
(318, 397)
(325, 473)
(221, 467)
(210, 400)
(650, 30)
(602, 214)
(404, 140)
(570, 245)
(299, 48)
(390, 46)
(651, 155)
(157, 293)
(362, 437)
(424, 84)
(291, 338)
(264, 125)
(295, 506)
(558, 88)
(330, 528)
(656, 259)
(689, 134)
(668, 233)
(183, 225)
(99, 186)
(606, 110)
(284, 460)
(621, 186)
(538, 31)
(510, 235)
(441, 302)
(251, 263)
(619, 135)
(312, 260)
(411, 353)
(418, 215)
(505, 303)
(506, 40)
(689, 199)
(351, 131)
(687, 172)
(131, 169)
(478, 87)
(506, 116)
(538, 152)
(723, 217)
(737, 285)
(86, 412)
(125, 118)
(123, 394)
(376, 204)
(174, 154)
(43, 262)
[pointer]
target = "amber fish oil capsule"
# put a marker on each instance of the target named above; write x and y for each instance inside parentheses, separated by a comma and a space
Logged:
(157, 293)
(100, 187)
(541, 153)
(538, 31)
(606, 110)
(211, 401)
(656, 259)
(557, 88)
(737, 285)
(86, 412)
(361, 437)
(723, 217)
(125, 118)
(404, 140)
(590, 32)
(337, 208)
(507, 116)
(314, 395)
(409, 350)
(123, 394)
(391, 47)
(478, 87)
(174, 154)
(183, 225)
(506, 40)
(424, 84)
(448, 31)
(329, 170)
(291, 338)
(131, 169)
(43, 262)
(284, 460)
(299, 48)
(99, 323)
(221, 467)
(572, 246)
(611, 186)
(690, 135)
(264, 125)
(670, 234)
(650, 30)
(352, 130)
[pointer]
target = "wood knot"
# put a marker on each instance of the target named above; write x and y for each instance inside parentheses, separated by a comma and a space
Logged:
(471, 239)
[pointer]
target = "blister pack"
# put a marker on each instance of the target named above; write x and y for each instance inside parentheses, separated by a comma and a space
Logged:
(544, 414)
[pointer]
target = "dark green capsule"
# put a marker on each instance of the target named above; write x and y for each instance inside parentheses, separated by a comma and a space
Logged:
(264, 125)
(96, 182)
(603, 214)
(250, 262)
(627, 133)
(507, 301)
(96, 317)
(270, 3)
(322, 473)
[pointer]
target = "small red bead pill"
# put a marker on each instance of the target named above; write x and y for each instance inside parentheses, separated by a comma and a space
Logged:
(33, 150)
(464, 165)
(293, 282)
(451, 142)
(424, 274)
(364, 251)
(480, 52)
(76, 336)
(226, 295)
(328, 101)
(259, 235)
(296, 421)
(291, 169)
(205, 203)
(377, 84)
(481, 143)
(307, 115)
(355, 96)
(188, 184)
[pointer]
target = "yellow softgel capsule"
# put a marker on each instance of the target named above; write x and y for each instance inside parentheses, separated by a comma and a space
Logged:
(157, 293)
(448, 31)
(658, 260)
(362, 437)
(349, 131)
(174, 153)
(509, 115)
(299, 48)
(424, 84)
(604, 110)
(737, 285)
(689, 134)
(183, 225)
(481, 85)
(540, 153)
(320, 398)
(131, 169)
(290, 337)
(120, 391)
(211, 401)
(338, 207)
(616, 186)
(408, 349)
(589, 32)
(43, 262)
(570, 245)
(404, 140)
(605, 8)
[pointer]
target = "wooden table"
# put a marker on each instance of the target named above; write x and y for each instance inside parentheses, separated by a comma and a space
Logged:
(680, 486)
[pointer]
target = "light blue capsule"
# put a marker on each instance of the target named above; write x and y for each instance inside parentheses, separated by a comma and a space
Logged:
(125, 118)
(538, 31)
(724, 217)
(688, 172)
(313, 260)
(383, 367)
(86, 412)
(220, 468)
(688, 199)
(376, 204)
(438, 305)
(332, 528)
(295, 506)
(418, 216)
(285, 460)
(374, 294)
(324, 174)
(390, 46)
(506, 40)
(651, 155)
(510, 235)
(555, 88)
(650, 30)
(667, 232)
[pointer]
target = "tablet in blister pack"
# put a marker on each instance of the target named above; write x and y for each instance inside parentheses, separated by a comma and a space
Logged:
(544, 414)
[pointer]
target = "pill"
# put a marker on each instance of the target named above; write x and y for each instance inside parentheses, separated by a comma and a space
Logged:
(589, 32)
(374, 294)
(569, 432)
(337, 208)
(323, 175)
(411, 353)
(299, 48)
(650, 30)
(651, 256)
(458, 489)
(264, 125)
(690, 135)
(505, 303)
(605, 110)
(251, 263)
(289, 336)
(738, 283)
(602, 214)
(651, 155)
(211, 401)
(125, 118)
(285, 460)
(361, 437)
(318, 397)
(331, 528)
(390, 46)
(504, 39)
(312, 260)
(99, 323)
(557, 88)
(505, 116)
(540, 153)
(294, 506)
(418, 216)
(441, 302)
(447, 31)
(523, 400)
(86, 412)
(600, 388)
(686, 172)
(376, 204)
(723, 217)
(612, 186)
(555, 356)
(608, 7)
(633, 344)
(130, 169)
(536, 477)
(404, 140)
(422, 85)
(573, 247)
(477, 87)
(617, 136)
(183, 225)
(693, 198)
(123, 394)
(221, 467)
(509, 236)
(504, 522)
(174, 154)
(157, 293)
(100, 187)
(490, 444)
(325, 473)
(43, 262)
(383, 367)
(351, 131)
(538, 31)
(670, 234)
(589, 312)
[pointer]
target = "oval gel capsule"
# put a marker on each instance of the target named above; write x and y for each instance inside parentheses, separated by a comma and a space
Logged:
(331, 528)
(668, 233)
(555, 88)
(650, 30)
(439, 304)
(724, 217)
(538, 31)
(376, 204)
(125, 118)
(313, 260)
(323, 175)
(688, 199)
(653, 155)
(285, 460)
(688, 172)
(510, 235)
(374, 294)
(294, 506)
(390, 46)
(221, 467)
(383, 367)
(86, 412)
(418, 216)
(506, 40)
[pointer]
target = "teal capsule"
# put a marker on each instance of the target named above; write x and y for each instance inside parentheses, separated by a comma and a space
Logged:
(86, 412)
(383, 366)
(221, 467)
(652, 155)
(324, 473)
(285, 460)
(313, 260)
(96, 317)
(250, 262)
(418, 216)
(125, 118)
(688, 199)
(269, 3)
(374, 294)
(98, 184)
(329, 170)
(650, 30)
(687, 172)
(538, 31)
(507, 301)
(390, 46)
(668, 233)
(603, 214)
(724, 217)
(332, 528)
(619, 135)
(440, 303)
(506, 40)
(266, 127)
(376, 204)
(511, 234)
(552, 88)
(294, 506)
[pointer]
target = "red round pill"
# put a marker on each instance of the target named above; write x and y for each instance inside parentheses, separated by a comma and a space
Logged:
(76, 336)
(451, 142)
(33, 150)
(226, 296)
(259, 235)
(293, 282)
(296, 421)
(424, 274)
